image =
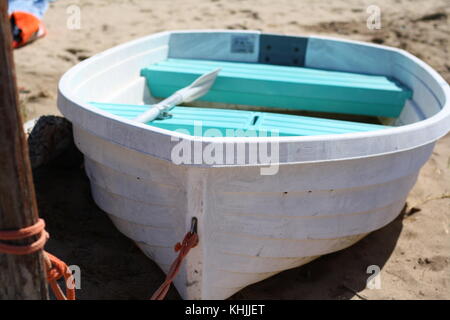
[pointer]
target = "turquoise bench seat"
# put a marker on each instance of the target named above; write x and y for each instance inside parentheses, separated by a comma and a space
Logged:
(274, 86)
(223, 119)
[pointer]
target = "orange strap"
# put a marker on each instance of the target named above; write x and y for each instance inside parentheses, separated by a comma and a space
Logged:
(56, 268)
(189, 242)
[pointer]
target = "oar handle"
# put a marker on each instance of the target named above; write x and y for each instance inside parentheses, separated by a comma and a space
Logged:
(148, 115)
(164, 105)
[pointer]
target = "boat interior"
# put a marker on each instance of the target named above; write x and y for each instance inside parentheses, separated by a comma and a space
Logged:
(279, 89)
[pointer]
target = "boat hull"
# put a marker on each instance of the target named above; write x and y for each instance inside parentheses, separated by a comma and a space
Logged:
(251, 226)
(329, 191)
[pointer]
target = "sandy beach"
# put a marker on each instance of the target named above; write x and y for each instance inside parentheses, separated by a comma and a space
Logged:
(413, 251)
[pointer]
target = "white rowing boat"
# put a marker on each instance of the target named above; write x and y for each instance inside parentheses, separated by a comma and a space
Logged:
(329, 183)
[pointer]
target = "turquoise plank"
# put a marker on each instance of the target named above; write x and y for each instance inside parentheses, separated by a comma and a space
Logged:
(284, 72)
(283, 87)
(272, 68)
(290, 72)
(238, 82)
(287, 102)
(239, 121)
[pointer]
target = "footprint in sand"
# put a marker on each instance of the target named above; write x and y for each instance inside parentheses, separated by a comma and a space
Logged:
(251, 14)
(80, 54)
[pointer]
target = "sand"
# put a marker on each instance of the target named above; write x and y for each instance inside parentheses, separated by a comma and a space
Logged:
(413, 251)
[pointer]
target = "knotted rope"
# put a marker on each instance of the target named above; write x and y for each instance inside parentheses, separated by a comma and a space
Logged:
(56, 269)
(190, 241)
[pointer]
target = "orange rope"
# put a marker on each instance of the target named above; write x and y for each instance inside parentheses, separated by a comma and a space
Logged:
(189, 242)
(37, 228)
(56, 268)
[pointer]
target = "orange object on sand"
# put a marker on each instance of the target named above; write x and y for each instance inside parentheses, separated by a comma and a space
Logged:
(31, 28)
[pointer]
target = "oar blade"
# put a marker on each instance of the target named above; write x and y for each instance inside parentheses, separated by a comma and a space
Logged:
(200, 86)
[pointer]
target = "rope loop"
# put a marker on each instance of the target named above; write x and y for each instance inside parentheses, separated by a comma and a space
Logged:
(56, 268)
(21, 234)
(190, 241)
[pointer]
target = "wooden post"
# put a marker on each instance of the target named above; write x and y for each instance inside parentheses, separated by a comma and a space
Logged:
(21, 277)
